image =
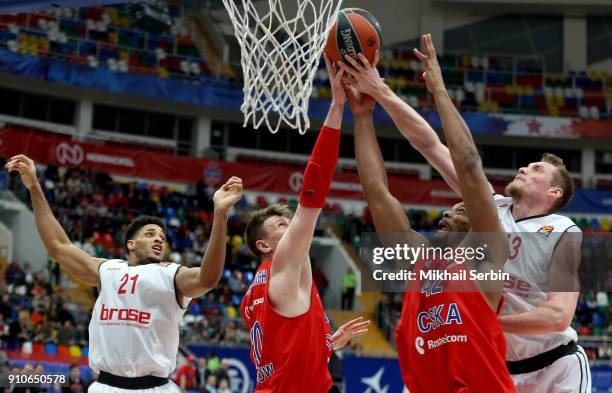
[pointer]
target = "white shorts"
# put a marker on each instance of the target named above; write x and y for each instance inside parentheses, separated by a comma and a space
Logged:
(98, 387)
(569, 374)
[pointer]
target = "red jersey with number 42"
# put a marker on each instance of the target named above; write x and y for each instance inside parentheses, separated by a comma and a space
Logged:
(290, 354)
(450, 342)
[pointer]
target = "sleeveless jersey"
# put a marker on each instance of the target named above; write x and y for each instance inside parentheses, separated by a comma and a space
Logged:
(532, 243)
(450, 342)
(133, 330)
(289, 354)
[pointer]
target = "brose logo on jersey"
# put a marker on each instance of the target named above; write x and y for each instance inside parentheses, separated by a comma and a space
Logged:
(125, 314)
(545, 231)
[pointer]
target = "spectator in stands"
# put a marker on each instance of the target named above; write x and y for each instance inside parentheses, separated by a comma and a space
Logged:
(211, 384)
(235, 282)
(602, 302)
(222, 374)
(16, 335)
(28, 275)
(320, 280)
(54, 271)
(213, 362)
(82, 315)
(4, 369)
(76, 384)
(6, 310)
(186, 374)
(39, 369)
(15, 277)
(64, 315)
(608, 282)
(349, 283)
(201, 372)
(224, 386)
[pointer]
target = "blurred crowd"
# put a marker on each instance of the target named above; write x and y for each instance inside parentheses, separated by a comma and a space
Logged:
(34, 311)
(205, 375)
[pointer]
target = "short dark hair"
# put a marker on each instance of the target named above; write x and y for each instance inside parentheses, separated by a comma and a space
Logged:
(140, 222)
(561, 179)
(253, 231)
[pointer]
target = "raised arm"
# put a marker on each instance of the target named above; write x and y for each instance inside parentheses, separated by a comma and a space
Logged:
(75, 261)
(387, 212)
(196, 281)
(290, 260)
(412, 125)
(474, 186)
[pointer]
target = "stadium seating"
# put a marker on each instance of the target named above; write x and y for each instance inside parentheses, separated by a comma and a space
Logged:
(489, 84)
(103, 37)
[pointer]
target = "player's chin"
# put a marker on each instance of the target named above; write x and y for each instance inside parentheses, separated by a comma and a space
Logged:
(514, 188)
(155, 257)
(441, 234)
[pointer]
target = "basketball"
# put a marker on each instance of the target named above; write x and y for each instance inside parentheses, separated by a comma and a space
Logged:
(355, 31)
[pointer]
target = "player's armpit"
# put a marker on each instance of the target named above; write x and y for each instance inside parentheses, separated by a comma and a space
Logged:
(565, 262)
(78, 263)
(189, 283)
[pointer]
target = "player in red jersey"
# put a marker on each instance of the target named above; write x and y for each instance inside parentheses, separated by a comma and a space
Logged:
(448, 337)
(291, 340)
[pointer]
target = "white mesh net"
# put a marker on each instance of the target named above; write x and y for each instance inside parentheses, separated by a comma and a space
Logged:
(280, 56)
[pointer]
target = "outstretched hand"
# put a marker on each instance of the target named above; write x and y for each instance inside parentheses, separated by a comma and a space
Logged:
(335, 80)
(362, 74)
(432, 74)
(351, 329)
(229, 194)
(360, 103)
(26, 169)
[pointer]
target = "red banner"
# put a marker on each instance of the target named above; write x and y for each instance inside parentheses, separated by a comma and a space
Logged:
(60, 150)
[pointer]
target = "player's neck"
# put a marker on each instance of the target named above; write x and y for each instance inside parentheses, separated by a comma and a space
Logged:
(133, 261)
(525, 207)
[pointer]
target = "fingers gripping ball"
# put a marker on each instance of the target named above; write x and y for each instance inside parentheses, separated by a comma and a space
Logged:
(355, 31)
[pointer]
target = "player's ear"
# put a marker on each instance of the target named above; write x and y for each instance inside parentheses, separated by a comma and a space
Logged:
(555, 192)
(263, 246)
(131, 245)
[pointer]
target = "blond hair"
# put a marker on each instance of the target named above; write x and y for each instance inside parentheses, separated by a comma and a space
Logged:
(254, 227)
(561, 179)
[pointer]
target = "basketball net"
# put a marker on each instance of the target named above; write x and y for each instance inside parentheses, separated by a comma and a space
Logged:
(280, 55)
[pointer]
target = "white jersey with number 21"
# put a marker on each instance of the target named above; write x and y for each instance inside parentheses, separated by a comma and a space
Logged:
(134, 326)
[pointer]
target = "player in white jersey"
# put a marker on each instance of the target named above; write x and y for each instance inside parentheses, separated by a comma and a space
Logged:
(542, 353)
(133, 332)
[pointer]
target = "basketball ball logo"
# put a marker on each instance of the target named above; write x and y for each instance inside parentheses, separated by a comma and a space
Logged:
(355, 31)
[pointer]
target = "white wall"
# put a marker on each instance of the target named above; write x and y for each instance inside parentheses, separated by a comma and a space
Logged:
(27, 245)
(605, 65)
(574, 43)
(6, 243)
(333, 260)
